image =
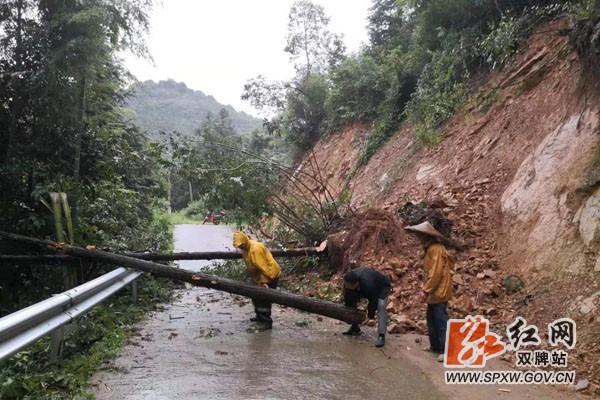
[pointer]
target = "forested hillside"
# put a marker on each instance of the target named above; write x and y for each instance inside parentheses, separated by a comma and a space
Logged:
(169, 106)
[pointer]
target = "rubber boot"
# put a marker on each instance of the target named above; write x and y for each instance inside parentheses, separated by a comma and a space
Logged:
(353, 331)
(380, 341)
(265, 326)
(263, 321)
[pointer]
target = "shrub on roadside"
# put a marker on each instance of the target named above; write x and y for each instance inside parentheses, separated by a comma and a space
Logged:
(230, 269)
(196, 210)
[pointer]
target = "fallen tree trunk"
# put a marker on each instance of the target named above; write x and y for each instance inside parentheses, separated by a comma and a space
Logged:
(222, 255)
(325, 308)
(205, 255)
(35, 258)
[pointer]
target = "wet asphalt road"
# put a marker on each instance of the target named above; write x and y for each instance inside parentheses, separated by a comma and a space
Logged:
(203, 347)
(201, 238)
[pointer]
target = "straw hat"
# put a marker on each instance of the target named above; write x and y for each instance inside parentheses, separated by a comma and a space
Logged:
(425, 228)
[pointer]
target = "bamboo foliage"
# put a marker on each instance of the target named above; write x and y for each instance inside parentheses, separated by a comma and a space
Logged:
(59, 206)
(68, 217)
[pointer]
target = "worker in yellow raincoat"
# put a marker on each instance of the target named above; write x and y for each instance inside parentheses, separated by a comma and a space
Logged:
(438, 265)
(262, 268)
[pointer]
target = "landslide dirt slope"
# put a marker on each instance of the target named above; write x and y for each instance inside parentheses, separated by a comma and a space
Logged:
(514, 171)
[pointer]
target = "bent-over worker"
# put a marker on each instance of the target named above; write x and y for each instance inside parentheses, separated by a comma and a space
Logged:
(438, 265)
(367, 283)
(262, 268)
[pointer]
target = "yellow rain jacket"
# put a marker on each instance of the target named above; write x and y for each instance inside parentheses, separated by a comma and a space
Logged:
(262, 267)
(438, 265)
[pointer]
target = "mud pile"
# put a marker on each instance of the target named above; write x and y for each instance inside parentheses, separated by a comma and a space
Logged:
(413, 214)
(376, 238)
(373, 238)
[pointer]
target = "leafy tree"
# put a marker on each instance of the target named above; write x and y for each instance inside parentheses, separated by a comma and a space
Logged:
(22, 40)
(267, 97)
(62, 89)
(358, 85)
(305, 113)
(312, 47)
(385, 23)
(223, 172)
(295, 109)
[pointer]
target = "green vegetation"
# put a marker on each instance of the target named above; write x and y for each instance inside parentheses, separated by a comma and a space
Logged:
(441, 88)
(181, 218)
(584, 37)
(299, 105)
(169, 106)
(63, 131)
(97, 337)
(231, 269)
(74, 168)
(417, 66)
(215, 169)
(248, 178)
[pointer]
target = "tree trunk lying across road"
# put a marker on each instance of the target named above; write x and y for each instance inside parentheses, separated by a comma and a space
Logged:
(45, 258)
(222, 255)
(205, 255)
(325, 308)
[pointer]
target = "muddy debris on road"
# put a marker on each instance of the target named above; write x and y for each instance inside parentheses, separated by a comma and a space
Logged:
(377, 238)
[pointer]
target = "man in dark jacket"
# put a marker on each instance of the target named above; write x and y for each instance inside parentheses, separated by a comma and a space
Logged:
(367, 283)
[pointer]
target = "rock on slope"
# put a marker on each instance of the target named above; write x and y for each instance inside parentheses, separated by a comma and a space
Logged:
(516, 176)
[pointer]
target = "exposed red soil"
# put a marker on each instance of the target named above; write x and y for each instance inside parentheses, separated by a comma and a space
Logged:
(333, 159)
(508, 174)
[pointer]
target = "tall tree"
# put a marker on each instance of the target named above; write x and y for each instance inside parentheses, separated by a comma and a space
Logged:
(61, 91)
(21, 41)
(385, 22)
(296, 107)
(85, 73)
(62, 128)
(310, 43)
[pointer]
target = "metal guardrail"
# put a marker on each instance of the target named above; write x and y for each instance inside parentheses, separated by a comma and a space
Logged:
(23, 327)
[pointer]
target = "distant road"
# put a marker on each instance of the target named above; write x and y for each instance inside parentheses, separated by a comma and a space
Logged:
(201, 238)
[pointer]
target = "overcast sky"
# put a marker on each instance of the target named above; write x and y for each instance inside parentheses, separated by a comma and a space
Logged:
(216, 45)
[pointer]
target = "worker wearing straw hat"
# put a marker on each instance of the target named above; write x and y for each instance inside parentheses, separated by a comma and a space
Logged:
(438, 265)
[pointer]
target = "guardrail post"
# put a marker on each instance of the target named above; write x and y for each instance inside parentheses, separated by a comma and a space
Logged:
(134, 291)
(57, 341)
